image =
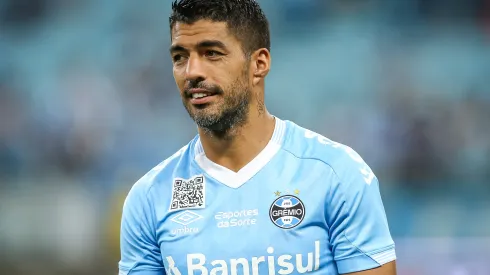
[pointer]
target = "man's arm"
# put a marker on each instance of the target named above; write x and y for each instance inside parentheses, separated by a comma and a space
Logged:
(359, 233)
(386, 269)
(140, 254)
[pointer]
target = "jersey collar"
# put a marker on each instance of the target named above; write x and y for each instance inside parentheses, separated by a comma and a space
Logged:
(236, 179)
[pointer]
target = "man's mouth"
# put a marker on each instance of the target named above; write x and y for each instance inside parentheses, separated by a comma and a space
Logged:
(200, 95)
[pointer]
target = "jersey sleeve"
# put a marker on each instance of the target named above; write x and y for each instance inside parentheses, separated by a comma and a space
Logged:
(359, 232)
(140, 254)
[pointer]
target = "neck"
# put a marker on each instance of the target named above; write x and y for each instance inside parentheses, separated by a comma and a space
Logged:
(237, 148)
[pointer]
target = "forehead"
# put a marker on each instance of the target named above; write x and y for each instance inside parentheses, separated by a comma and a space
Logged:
(189, 35)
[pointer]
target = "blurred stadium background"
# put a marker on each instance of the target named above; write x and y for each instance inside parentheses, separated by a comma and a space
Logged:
(88, 105)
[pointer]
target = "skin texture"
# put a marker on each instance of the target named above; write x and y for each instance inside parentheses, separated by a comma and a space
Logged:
(387, 269)
(234, 126)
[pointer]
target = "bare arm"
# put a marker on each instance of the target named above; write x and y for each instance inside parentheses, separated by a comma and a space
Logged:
(386, 269)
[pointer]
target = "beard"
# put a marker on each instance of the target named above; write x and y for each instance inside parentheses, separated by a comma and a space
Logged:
(221, 117)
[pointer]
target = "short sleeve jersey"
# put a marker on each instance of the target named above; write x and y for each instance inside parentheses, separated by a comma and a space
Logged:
(304, 204)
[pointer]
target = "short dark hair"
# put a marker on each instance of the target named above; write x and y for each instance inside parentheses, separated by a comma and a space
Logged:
(244, 18)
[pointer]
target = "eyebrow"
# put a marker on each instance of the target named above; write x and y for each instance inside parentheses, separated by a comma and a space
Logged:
(202, 44)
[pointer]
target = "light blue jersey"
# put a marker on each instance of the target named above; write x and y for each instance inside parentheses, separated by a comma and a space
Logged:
(304, 204)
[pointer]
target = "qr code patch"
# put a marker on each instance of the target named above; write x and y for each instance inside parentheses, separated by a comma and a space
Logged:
(188, 193)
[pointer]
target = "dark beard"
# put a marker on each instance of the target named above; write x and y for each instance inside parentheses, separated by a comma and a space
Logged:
(233, 114)
(230, 118)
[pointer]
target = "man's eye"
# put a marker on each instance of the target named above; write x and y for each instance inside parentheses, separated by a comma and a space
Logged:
(177, 57)
(212, 53)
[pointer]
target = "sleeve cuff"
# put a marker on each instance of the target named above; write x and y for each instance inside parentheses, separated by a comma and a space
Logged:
(365, 261)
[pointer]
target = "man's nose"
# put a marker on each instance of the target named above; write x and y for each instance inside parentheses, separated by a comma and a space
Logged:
(195, 69)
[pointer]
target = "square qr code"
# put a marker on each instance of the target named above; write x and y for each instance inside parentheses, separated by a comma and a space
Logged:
(188, 193)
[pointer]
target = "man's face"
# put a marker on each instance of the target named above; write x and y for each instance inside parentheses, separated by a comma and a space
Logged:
(212, 74)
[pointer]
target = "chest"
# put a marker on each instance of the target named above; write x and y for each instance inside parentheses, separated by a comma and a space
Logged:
(269, 223)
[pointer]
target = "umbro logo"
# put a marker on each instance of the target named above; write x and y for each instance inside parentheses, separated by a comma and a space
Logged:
(186, 218)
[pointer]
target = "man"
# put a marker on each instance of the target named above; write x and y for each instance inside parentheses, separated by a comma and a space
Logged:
(251, 193)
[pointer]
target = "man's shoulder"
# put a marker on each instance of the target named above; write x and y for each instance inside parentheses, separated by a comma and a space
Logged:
(305, 144)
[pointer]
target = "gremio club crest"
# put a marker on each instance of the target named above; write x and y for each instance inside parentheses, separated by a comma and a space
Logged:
(287, 211)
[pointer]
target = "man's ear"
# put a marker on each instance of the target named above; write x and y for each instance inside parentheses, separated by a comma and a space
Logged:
(261, 62)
